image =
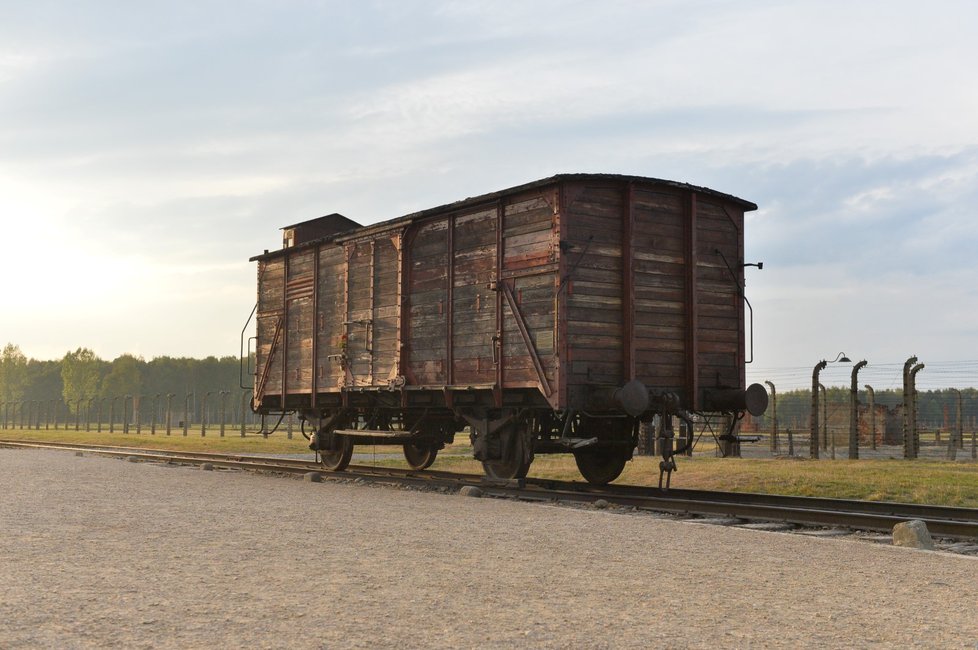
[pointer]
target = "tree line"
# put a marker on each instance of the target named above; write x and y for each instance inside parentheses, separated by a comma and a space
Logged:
(81, 374)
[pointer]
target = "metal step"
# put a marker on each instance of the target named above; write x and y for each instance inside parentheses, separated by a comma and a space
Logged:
(374, 433)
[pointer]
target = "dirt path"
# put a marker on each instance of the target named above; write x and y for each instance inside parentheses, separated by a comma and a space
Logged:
(97, 552)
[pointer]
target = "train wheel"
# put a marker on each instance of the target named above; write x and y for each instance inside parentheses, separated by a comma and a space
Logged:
(337, 460)
(599, 467)
(500, 469)
(516, 466)
(419, 457)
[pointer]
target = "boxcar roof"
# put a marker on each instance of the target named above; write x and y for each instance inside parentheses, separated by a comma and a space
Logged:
(484, 198)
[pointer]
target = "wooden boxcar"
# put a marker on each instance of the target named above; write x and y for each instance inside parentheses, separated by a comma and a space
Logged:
(550, 317)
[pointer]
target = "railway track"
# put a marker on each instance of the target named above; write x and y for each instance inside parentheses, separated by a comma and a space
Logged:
(942, 521)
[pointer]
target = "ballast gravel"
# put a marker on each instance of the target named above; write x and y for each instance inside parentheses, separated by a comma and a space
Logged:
(96, 552)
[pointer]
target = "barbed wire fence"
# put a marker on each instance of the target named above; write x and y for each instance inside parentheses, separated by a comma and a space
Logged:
(221, 413)
(932, 413)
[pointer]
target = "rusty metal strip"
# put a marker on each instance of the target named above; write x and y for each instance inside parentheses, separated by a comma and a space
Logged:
(561, 342)
(692, 356)
(395, 371)
(525, 333)
(450, 310)
(368, 335)
(285, 334)
(498, 342)
(315, 327)
(628, 284)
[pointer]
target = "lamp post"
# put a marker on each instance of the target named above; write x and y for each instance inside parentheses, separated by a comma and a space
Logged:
(819, 367)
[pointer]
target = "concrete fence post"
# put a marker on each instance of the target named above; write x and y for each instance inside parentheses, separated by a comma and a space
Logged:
(156, 412)
(872, 414)
(203, 414)
(126, 405)
(224, 409)
(186, 413)
(88, 413)
(775, 444)
(137, 411)
(974, 447)
(169, 412)
(825, 420)
(112, 414)
(914, 431)
(813, 446)
(244, 396)
(854, 410)
(907, 433)
(952, 443)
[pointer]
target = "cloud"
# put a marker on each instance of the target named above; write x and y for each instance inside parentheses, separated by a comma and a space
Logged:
(161, 146)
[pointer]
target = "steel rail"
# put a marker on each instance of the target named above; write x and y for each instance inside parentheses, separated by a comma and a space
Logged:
(942, 521)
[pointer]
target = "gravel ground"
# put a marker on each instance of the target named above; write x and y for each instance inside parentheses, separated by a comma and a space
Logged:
(103, 552)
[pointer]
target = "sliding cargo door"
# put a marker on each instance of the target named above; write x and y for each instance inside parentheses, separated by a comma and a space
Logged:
(451, 324)
(369, 345)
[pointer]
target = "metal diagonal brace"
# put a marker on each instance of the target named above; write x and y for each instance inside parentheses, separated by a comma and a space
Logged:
(276, 337)
(521, 324)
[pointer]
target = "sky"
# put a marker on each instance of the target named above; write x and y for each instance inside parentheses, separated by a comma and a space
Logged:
(147, 150)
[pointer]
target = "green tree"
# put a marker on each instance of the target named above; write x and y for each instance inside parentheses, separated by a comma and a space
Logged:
(13, 373)
(124, 378)
(80, 375)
